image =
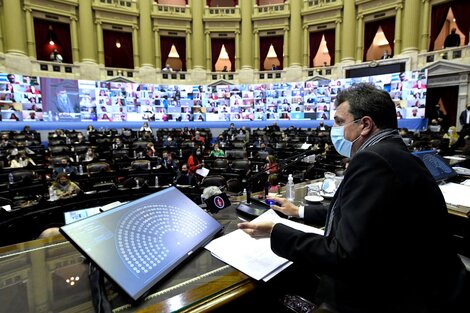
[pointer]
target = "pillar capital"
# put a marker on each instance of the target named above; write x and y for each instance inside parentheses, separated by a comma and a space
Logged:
(338, 21)
(98, 22)
(399, 7)
(135, 27)
(360, 17)
(73, 18)
(28, 9)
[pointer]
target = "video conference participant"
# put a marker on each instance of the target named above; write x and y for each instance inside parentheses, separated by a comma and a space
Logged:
(385, 247)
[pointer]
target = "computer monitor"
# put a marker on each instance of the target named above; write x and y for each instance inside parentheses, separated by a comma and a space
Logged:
(438, 167)
(139, 243)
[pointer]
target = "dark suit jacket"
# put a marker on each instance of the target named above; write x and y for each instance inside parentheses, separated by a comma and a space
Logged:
(389, 249)
(463, 117)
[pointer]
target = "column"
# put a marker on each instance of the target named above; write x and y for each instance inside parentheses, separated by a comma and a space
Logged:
(197, 8)
(306, 61)
(295, 47)
(424, 44)
(189, 57)
(411, 15)
(74, 35)
(338, 23)
(349, 26)
(15, 33)
(30, 33)
(237, 50)
(209, 51)
(87, 36)
(360, 39)
(135, 45)
(285, 49)
(246, 58)
(99, 35)
(256, 50)
(158, 50)
(145, 33)
(398, 28)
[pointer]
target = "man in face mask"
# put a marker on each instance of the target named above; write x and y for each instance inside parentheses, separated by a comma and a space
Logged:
(383, 223)
(464, 118)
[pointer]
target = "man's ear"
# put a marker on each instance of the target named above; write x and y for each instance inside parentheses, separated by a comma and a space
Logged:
(368, 126)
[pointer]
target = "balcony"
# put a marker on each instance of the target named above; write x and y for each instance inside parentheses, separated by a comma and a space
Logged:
(173, 11)
(173, 77)
(458, 54)
(320, 3)
(231, 77)
(263, 76)
(54, 67)
(222, 13)
(271, 10)
(122, 4)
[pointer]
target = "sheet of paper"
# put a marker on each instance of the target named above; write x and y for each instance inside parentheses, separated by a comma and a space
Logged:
(456, 194)
(253, 256)
(202, 171)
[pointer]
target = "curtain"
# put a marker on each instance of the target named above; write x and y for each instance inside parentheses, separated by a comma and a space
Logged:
(122, 57)
(165, 47)
(217, 44)
(264, 45)
(461, 10)
(315, 41)
(388, 27)
(370, 29)
(330, 37)
(278, 44)
(61, 36)
(438, 18)
(180, 45)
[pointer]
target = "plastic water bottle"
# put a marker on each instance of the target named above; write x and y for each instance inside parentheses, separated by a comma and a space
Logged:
(80, 169)
(244, 195)
(137, 185)
(290, 189)
(51, 194)
(11, 179)
(156, 181)
(148, 166)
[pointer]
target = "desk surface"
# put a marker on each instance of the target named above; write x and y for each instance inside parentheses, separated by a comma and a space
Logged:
(51, 275)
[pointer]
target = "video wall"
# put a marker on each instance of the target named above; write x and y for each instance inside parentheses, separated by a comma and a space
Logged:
(31, 99)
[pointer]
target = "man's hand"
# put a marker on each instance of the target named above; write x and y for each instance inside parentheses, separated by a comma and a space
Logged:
(285, 207)
(260, 229)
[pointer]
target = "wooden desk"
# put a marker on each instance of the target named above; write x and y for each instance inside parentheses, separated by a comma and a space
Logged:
(33, 278)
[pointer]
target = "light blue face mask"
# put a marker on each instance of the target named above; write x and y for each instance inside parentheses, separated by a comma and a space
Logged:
(341, 144)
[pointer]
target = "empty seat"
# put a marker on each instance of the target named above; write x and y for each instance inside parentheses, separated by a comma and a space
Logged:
(214, 180)
(220, 165)
(98, 167)
(140, 165)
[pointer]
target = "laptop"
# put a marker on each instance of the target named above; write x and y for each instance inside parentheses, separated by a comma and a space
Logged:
(137, 244)
(437, 166)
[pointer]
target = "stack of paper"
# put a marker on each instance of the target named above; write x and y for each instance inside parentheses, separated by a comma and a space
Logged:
(253, 256)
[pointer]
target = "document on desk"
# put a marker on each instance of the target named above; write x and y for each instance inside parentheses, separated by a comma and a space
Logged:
(253, 256)
(456, 194)
(202, 171)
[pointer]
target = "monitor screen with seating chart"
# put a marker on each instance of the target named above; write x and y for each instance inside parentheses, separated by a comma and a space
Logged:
(138, 243)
